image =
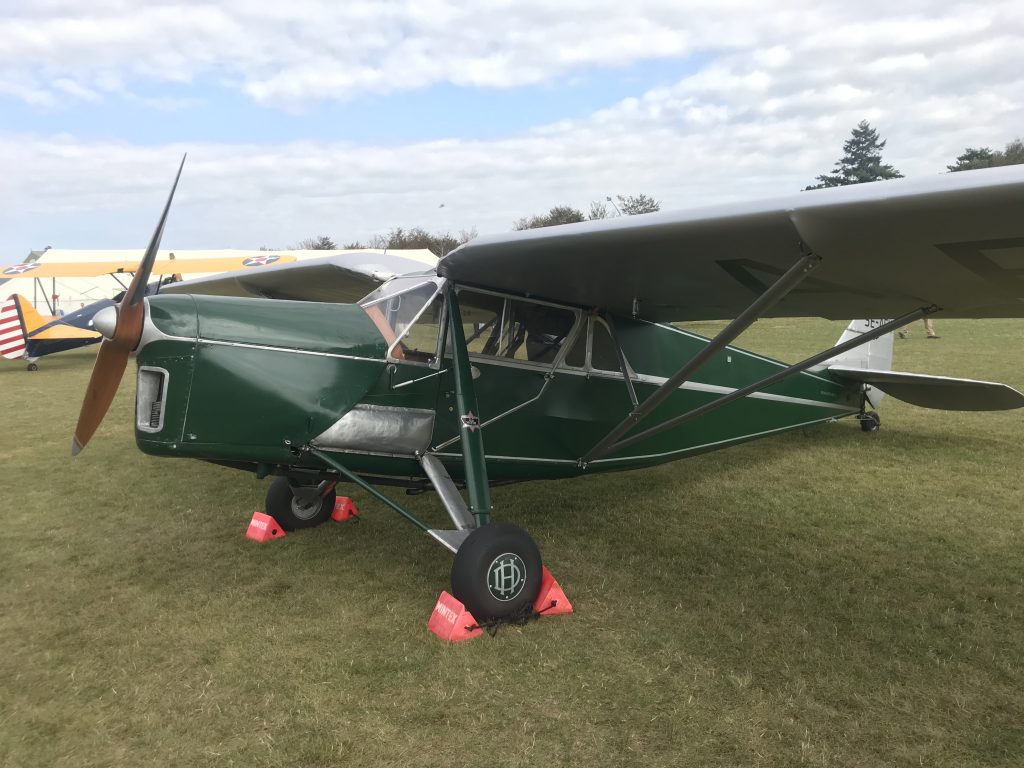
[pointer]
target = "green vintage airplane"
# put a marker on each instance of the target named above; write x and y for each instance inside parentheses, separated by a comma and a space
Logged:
(548, 353)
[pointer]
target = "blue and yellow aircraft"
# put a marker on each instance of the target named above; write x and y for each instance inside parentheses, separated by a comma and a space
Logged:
(25, 334)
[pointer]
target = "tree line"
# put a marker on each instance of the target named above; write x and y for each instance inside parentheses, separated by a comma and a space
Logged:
(399, 238)
(861, 162)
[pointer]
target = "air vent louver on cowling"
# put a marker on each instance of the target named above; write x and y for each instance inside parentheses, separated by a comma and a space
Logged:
(150, 399)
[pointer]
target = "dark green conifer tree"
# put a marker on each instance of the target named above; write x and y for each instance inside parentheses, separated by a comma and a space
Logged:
(861, 161)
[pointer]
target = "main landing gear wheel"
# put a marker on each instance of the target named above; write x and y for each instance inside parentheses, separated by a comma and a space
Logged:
(497, 571)
(301, 507)
(870, 422)
(33, 367)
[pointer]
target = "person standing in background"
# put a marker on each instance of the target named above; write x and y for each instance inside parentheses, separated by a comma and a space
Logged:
(929, 329)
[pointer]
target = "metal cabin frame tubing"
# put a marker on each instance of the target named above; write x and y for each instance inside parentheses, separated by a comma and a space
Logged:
(807, 264)
(548, 376)
(623, 365)
(473, 457)
(776, 377)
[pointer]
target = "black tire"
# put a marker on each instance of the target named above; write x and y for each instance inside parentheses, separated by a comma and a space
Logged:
(289, 513)
(500, 547)
(870, 422)
(33, 367)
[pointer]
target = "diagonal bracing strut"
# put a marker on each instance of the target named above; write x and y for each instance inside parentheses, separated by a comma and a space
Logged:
(761, 304)
(758, 386)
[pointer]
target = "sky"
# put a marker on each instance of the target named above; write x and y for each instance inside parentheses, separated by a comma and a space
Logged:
(315, 117)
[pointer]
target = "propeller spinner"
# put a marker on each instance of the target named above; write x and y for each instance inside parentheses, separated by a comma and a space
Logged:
(121, 338)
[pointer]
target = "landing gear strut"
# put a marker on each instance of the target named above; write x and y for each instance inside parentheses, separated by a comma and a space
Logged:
(497, 568)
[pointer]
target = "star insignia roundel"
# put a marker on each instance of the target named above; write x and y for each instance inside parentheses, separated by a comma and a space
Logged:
(19, 269)
(259, 261)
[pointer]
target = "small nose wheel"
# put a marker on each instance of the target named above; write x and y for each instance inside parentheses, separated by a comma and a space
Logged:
(497, 572)
(870, 422)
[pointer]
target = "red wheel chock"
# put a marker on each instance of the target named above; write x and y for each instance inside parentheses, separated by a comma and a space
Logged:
(264, 528)
(344, 509)
(551, 600)
(451, 621)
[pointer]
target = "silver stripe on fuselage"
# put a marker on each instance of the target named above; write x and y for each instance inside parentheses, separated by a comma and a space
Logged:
(151, 333)
(716, 389)
(657, 381)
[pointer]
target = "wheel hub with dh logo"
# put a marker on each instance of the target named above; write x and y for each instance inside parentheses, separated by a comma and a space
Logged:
(506, 576)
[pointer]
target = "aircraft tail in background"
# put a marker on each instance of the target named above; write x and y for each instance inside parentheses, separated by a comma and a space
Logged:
(12, 327)
(876, 354)
(26, 334)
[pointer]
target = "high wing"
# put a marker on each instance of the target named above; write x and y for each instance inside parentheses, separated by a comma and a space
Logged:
(161, 267)
(955, 241)
(342, 278)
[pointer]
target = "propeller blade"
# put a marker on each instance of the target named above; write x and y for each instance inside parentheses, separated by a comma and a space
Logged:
(137, 290)
(112, 358)
(106, 376)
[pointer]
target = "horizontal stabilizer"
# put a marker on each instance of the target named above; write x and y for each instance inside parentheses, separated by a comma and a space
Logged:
(941, 392)
(58, 331)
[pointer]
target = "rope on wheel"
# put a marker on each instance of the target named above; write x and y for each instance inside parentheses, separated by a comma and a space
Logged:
(519, 618)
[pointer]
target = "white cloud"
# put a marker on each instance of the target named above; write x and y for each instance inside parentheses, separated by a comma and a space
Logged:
(770, 109)
(303, 51)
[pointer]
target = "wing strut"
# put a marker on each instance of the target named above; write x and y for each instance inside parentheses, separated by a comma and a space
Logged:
(49, 306)
(762, 304)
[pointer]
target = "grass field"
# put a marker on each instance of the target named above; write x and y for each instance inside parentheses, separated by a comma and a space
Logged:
(822, 598)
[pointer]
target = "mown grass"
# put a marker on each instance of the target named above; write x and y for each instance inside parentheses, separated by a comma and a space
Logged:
(825, 598)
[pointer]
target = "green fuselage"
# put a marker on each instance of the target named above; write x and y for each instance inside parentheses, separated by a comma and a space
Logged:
(251, 382)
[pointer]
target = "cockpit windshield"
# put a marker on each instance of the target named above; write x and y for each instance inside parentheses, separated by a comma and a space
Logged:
(407, 310)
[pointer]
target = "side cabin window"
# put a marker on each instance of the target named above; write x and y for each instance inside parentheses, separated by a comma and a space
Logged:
(604, 355)
(514, 329)
(577, 356)
(408, 312)
(595, 349)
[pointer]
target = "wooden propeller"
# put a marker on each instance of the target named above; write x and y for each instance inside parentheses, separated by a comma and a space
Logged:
(118, 345)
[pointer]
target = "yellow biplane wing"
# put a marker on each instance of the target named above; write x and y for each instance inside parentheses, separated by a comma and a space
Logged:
(160, 267)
